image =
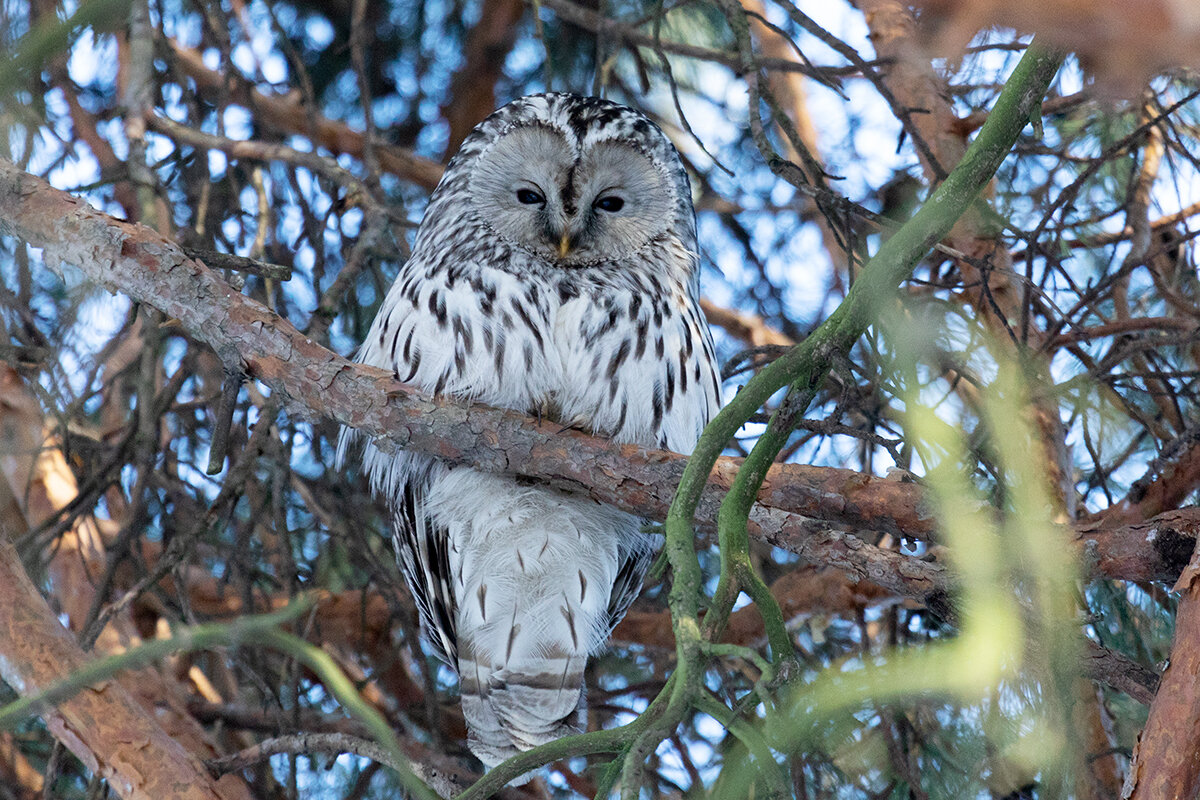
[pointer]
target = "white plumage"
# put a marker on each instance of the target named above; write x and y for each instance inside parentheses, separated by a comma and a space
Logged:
(555, 273)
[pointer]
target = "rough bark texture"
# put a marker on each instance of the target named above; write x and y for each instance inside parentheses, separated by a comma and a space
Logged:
(35, 475)
(103, 725)
(1156, 549)
(1166, 761)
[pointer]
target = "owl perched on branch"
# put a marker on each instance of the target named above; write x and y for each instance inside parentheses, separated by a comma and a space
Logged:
(556, 273)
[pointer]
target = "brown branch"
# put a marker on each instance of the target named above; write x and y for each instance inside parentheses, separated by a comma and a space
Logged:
(17, 774)
(1091, 719)
(1121, 46)
(444, 776)
(789, 91)
(1125, 325)
(250, 149)
(1163, 226)
(305, 743)
(104, 726)
(807, 589)
(323, 733)
(315, 383)
(750, 328)
(1100, 239)
(915, 86)
(1120, 672)
(1052, 105)
(358, 620)
(1166, 484)
(236, 263)
(797, 507)
(84, 125)
(578, 14)
(473, 86)
(265, 719)
(1164, 760)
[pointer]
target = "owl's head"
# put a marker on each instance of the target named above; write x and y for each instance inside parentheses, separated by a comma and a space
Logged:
(575, 180)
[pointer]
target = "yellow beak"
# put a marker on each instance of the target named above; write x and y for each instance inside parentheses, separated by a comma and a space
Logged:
(564, 246)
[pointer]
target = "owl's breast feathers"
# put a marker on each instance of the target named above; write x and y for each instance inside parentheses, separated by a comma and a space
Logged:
(615, 351)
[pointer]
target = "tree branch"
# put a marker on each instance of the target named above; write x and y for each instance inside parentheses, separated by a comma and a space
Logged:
(800, 508)
(288, 114)
(1164, 761)
(103, 725)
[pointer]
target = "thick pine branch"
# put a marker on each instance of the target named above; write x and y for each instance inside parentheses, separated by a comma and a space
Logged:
(800, 508)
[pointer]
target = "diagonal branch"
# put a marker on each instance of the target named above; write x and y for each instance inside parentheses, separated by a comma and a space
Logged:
(314, 383)
(801, 508)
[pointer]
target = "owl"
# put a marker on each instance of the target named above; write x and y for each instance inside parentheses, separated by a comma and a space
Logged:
(555, 272)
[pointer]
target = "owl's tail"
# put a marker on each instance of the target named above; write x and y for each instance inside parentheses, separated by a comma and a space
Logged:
(521, 671)
(522, 705)
(530, 612)
(533, 574)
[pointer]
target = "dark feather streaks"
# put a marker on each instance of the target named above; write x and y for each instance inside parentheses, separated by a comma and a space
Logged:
(468, 296)
(426, 554)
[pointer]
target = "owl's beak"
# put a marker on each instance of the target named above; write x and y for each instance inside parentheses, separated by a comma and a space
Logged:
(564, 245)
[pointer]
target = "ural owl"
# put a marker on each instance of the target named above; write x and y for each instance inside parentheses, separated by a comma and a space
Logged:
(554, 273)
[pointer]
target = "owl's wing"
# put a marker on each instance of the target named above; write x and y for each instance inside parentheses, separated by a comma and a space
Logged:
(680, 369)
(687, 375)
(423, 555)
(628, 585)
(421, 335)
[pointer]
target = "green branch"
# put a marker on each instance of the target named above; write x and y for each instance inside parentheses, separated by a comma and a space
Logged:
(805, 366)
(810, 360)
(343, 689)
(733, 537)
(752, 739)
(198, 637)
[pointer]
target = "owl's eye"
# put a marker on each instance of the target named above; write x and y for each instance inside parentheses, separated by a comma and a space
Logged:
(610, 204)
(529, 197)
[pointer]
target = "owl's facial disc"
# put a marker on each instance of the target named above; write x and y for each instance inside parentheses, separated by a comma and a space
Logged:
(601, 205)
